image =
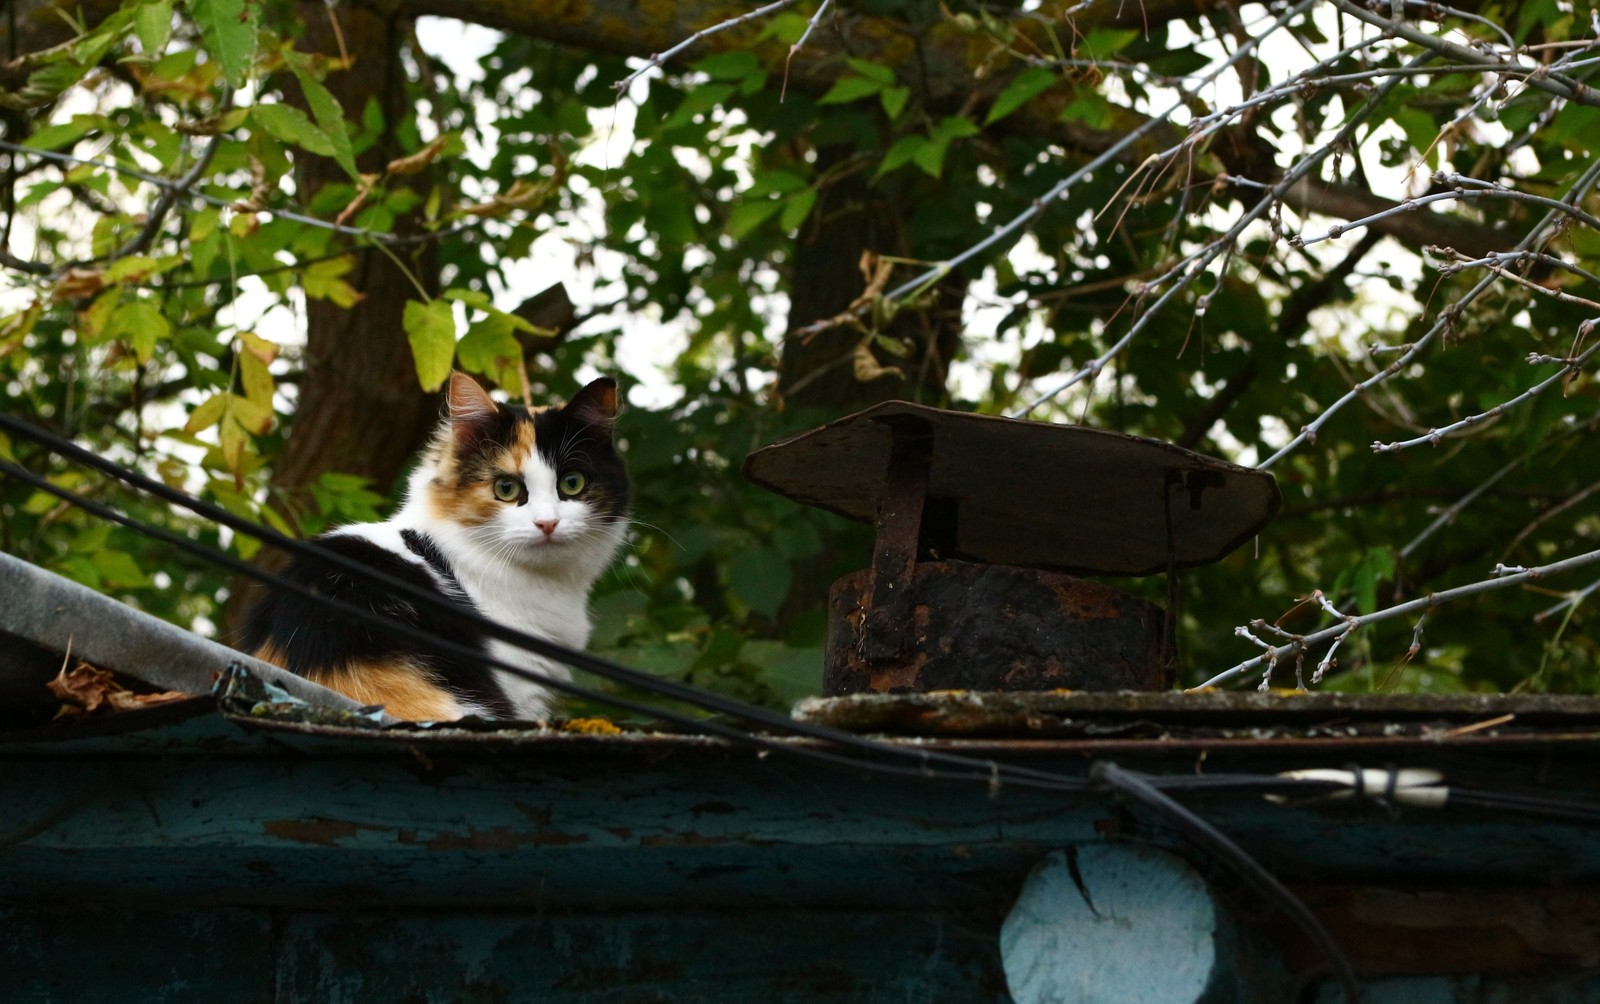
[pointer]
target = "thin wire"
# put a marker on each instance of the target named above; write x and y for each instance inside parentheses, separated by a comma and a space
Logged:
(983, 771)
(390, 240)
(980, 769)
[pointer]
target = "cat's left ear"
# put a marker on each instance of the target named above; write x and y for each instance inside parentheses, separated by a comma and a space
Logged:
(596, 405)
(472, 411)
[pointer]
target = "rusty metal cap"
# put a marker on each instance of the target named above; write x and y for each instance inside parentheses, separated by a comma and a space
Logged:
(1035, 494)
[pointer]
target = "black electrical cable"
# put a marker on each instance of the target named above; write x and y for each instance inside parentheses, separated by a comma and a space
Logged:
(986, 771)
(575, 658)
(1216, 844)
(981, 771)
(1148, 790)
(1557, 810)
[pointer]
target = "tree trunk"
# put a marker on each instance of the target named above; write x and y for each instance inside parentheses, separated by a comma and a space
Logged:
(817, 373)
(360, 410)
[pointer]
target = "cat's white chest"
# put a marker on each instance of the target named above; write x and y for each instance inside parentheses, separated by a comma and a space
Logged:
(537, 605)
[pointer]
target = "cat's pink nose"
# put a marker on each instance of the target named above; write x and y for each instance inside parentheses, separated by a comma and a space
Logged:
(547, 525)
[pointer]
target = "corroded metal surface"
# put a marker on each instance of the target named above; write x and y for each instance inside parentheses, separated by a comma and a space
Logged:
(1284, 718)
(993, 627)
(1033, 494)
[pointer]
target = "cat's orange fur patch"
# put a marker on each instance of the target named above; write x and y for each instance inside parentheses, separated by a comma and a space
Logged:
(270, 653)
(405, 689)
(525, 444)
(475, 504)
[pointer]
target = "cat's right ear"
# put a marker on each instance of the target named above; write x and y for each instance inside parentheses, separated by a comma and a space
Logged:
(472, 411)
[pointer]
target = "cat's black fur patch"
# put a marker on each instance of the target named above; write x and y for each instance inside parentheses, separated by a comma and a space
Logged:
(312, 638)
(565, 441)
(422, 545)
(567, 444)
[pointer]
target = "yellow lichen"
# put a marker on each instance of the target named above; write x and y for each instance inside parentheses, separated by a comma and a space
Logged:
(590, 726)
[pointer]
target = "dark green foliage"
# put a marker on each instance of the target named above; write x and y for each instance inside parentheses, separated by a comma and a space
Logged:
(169, 359)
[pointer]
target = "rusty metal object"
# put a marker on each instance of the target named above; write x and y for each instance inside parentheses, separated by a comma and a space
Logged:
(994, 627)
(887, 633)
(1028, 502)
(1065, 498)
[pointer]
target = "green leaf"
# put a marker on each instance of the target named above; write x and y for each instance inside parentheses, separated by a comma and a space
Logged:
(1091, 109)
(796, 209)
(1103, 43)
(760, 579)
(850, 89)
(290, 124)
(207, 415)
(728, 65)
(64, 134)
(1418, 125)
(326, 111)
(118, 570)
(134, 267)
(256, 379)
(153, 24)
(250, 415)
(1024, 87)
(952, 127)
(749, 215)
(489, 345)
(322, 281)
(702, 99)
(1375, 567)
(48, 82)
(777, 181)
(431, 329)
(228, 29)
(930, 157)
(475, 298)
(141, 325)
(899, 155)
(875, 72)
(894, 100)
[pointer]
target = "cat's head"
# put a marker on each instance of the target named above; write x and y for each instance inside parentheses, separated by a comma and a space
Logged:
(543, 488)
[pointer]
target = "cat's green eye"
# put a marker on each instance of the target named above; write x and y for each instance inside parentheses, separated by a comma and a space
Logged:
(507, 489)
(572, 483)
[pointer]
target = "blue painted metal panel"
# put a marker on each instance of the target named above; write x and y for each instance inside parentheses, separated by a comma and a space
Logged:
(242, 956)
(398, 857)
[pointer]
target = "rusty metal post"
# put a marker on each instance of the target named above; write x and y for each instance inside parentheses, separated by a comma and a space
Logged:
(899, 536)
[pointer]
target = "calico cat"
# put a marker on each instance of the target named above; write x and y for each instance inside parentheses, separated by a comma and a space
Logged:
(512, 513)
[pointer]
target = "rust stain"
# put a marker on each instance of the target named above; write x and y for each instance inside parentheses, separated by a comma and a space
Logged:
(322, 832)
(537, 814)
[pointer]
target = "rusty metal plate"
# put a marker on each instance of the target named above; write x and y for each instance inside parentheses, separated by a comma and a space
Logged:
(1035, 494)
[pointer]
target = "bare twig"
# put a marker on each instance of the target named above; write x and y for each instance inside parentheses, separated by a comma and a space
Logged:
(1447, 319)
(1407, 608)
(661, 57)
(372, 236)
(1434, 436)
(1554, 83)
(1022, 221)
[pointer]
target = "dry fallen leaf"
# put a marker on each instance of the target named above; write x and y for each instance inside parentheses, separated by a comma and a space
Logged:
(85, 690)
